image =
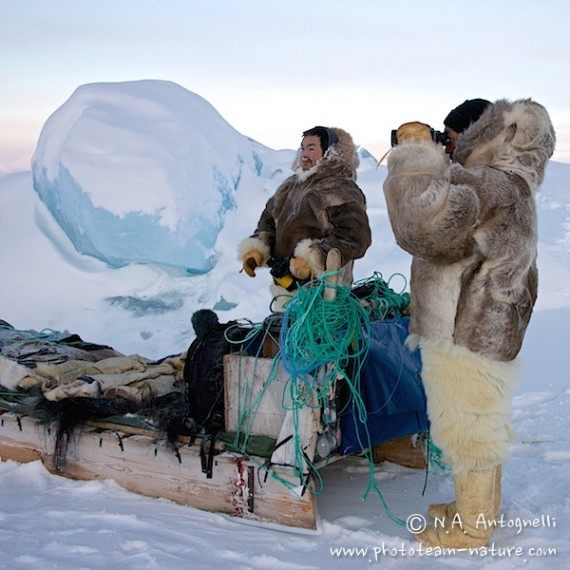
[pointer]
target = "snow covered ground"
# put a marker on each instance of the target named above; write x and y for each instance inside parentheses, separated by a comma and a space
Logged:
(51, 522)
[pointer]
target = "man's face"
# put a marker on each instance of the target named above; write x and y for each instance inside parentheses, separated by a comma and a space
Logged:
(311, 151)
(452, 140)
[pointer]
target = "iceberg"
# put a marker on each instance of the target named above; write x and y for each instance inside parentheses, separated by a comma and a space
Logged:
(142, 172)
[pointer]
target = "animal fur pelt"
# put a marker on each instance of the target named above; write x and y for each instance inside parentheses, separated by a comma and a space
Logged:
(168, 414)
(96, 392)
(469, 405)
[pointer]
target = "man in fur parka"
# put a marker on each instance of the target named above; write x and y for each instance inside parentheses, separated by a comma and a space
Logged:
(470, 225)
(318, 208)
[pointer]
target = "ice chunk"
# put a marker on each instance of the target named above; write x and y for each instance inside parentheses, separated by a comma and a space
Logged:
(142, 171)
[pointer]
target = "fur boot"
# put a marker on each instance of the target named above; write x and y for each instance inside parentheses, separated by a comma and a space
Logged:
(442, 511)
(474, 519)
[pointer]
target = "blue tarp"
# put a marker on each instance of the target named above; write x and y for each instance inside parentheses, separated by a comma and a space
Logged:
(390, 388)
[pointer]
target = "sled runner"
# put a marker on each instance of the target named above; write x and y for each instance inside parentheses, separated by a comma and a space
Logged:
(136, 460)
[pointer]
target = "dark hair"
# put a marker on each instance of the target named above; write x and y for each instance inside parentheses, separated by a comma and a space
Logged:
(327, 136)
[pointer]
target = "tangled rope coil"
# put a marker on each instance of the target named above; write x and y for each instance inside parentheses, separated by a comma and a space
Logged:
(318, 332)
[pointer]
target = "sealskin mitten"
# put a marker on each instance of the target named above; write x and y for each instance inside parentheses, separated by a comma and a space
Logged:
(299, 268)
(413, 131)
(252, 260)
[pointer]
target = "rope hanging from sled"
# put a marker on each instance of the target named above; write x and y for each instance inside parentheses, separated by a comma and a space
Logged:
(326, 335)
(384, 301)
(322, 337)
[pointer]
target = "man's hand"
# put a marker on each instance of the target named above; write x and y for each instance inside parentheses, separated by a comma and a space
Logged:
(414, 131)
(252, 260)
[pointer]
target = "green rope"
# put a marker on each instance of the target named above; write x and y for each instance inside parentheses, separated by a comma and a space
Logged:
(435, 455)
(319, 340)
(384, 302)
(46, 335)
(317, 332)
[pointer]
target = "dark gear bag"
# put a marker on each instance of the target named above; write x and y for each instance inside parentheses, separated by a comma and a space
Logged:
(204, 368)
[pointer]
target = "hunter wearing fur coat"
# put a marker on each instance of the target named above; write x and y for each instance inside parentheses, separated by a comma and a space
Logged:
(471, 228)
(318, 208)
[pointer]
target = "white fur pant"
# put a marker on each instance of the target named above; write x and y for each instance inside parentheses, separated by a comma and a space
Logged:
(469, 404)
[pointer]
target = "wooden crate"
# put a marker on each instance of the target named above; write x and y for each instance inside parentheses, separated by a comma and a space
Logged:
(254, 401)
(258, 402)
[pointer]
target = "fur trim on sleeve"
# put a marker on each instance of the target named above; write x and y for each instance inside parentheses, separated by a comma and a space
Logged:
(251, 244)
(310, 251)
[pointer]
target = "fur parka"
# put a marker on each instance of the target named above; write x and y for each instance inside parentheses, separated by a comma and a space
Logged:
(315, 211)
(471, 228)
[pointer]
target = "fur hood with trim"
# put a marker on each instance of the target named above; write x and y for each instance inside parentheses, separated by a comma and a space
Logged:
(517, 138)
(341, 156)
(471, 228)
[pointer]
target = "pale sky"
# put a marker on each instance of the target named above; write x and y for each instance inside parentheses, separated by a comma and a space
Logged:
(275, 68)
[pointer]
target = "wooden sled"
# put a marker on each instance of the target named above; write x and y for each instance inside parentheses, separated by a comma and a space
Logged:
(136, 459)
